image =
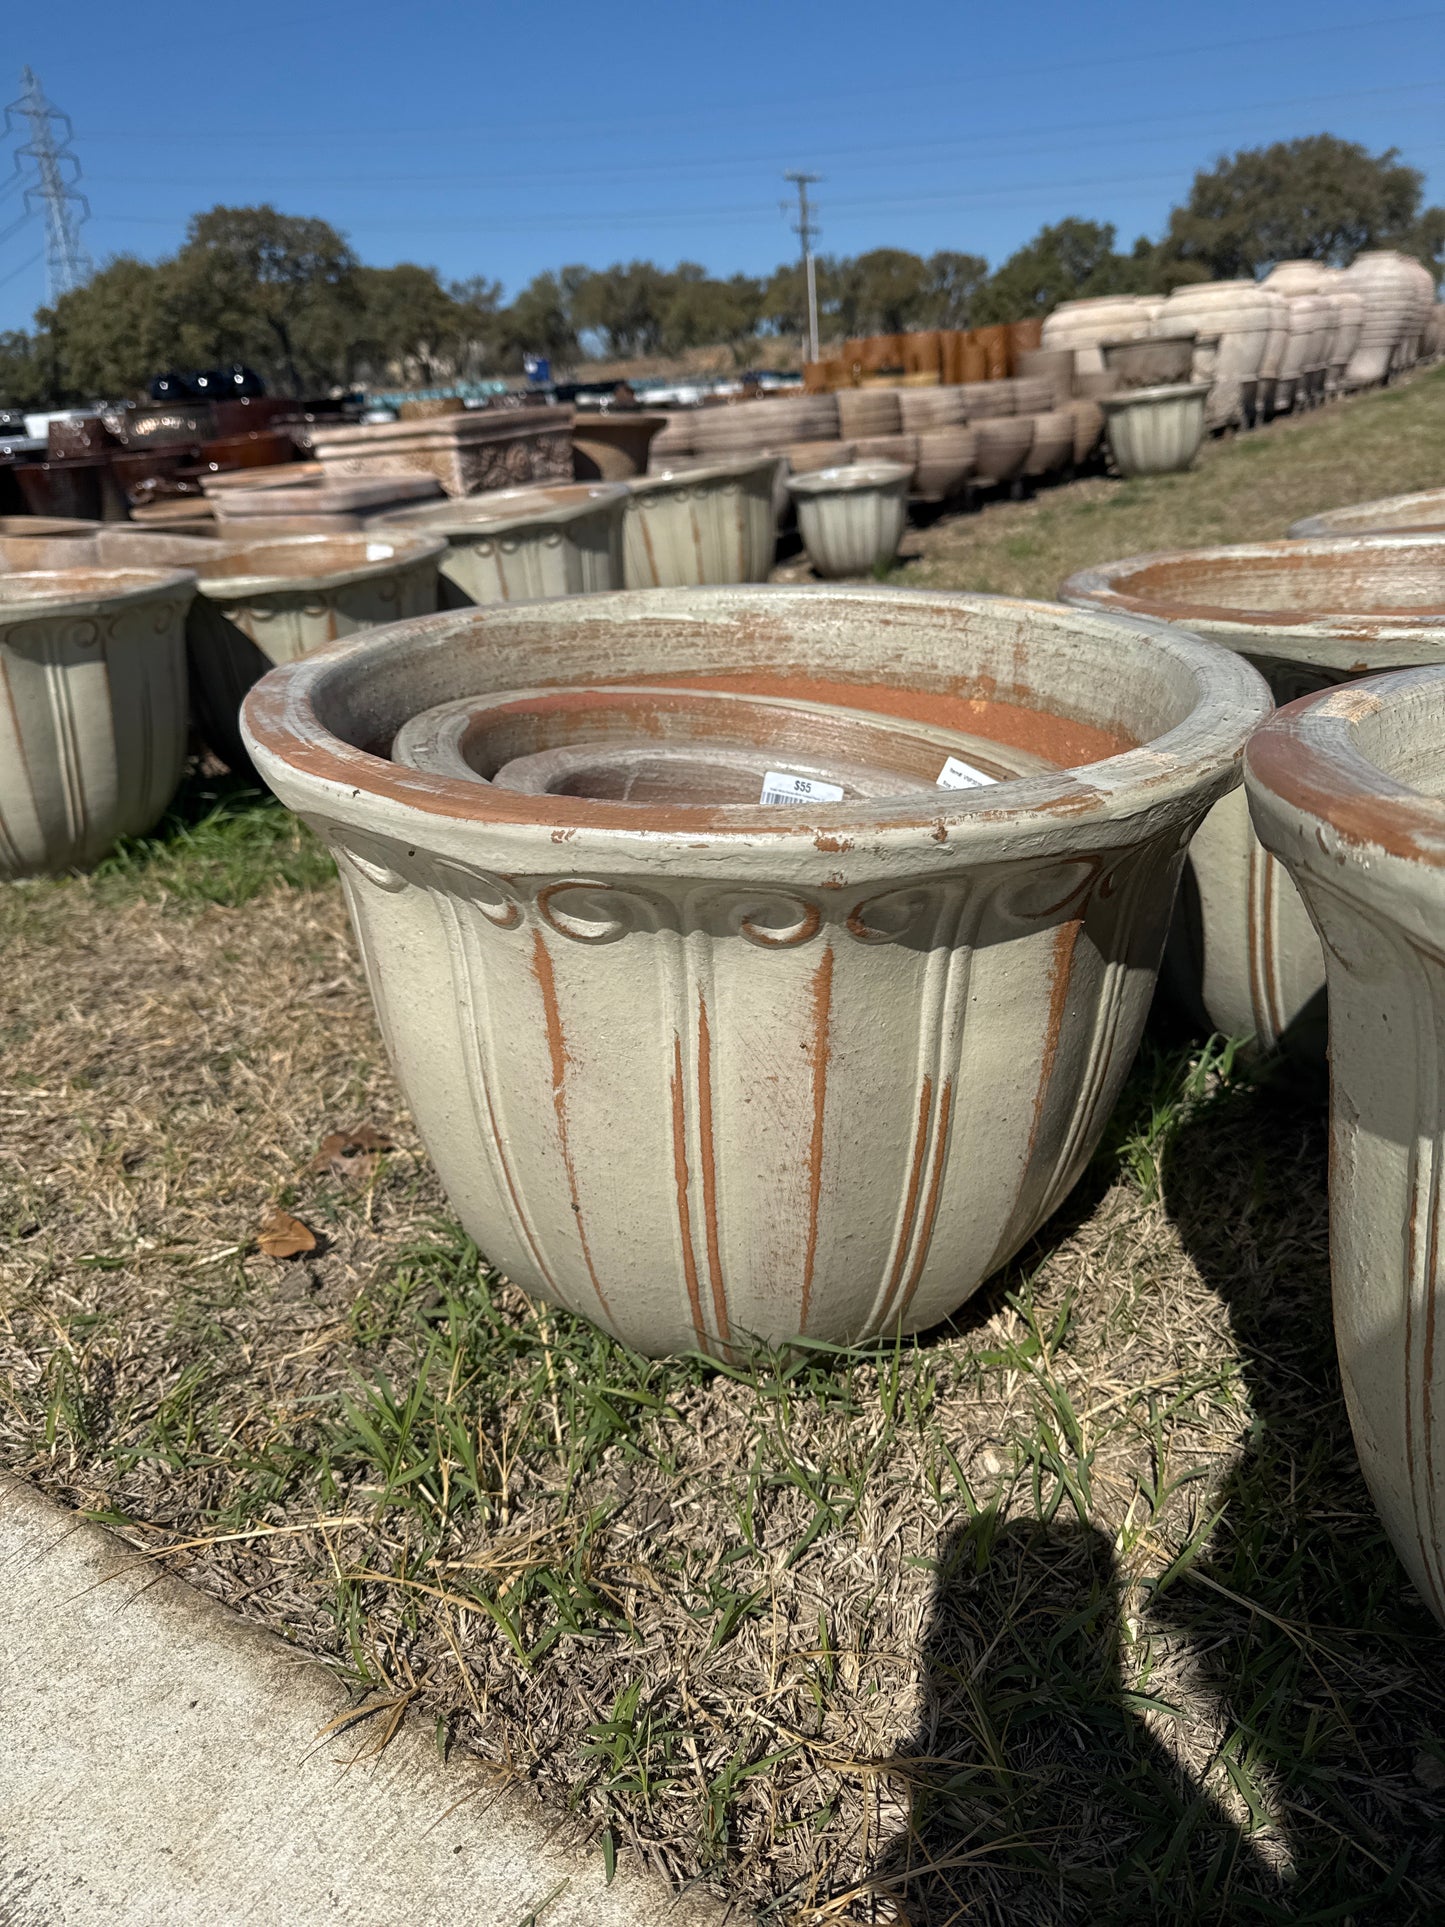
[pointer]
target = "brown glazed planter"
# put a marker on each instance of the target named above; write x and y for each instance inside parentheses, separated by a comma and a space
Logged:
(1345, 792)
(1308, 615)
(708, 1071)
(612, 448)
(995, 345)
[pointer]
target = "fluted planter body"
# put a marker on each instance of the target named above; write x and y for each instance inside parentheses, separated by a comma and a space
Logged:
(260, 603)
(1388, 287)
(1345, 792)
(765, 1070)
(92, 711)
(1155, 431)
(1241, 315)
(710, 525)
(479, 449)
(513, 545)
(851, 519)
(1307, 615)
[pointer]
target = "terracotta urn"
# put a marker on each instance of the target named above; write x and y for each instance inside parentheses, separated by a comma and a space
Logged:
(1416, 514)
(1308, 615)
(694, 526)
(612, 447)
(852, 519)
(92, 711)
(265, 602)
(1155, 431)
(512, 545)
(1345, 792)
(708, 1071)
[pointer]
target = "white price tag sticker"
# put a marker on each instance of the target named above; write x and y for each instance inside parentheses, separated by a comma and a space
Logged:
(779, 787)
(958, 775)
(379, 551)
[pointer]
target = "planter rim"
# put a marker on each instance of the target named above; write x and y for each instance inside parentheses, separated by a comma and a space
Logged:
(84, 591)
(1345, 638)
(848, 478)
(1323, 525)
(1143, 397)
(470, 424)
(507, 508)
(1308, 758)
(245, 583)
(1192, 762)
(588, 418)
(735, 471)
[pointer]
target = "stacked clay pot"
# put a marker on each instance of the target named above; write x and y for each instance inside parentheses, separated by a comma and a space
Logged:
(1242, 316)
(92, 710)
(761, 963)
(1308, 614)
(1345, 793)
(1082, 325)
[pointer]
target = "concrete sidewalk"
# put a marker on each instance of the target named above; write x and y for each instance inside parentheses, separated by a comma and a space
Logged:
(159, 1765)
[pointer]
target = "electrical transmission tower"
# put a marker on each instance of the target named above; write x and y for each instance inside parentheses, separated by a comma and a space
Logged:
(58, 169)
(806, 230)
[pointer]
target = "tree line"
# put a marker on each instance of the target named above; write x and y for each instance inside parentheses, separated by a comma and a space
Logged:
(287, 295)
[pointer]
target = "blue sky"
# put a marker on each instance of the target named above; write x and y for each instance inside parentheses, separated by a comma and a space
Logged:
(499, 141)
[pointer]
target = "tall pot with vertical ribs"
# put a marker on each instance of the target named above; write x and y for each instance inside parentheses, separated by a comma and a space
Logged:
(705, 1067)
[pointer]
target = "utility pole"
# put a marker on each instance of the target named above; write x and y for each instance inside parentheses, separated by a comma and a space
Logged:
(805, 229)
(66, 262)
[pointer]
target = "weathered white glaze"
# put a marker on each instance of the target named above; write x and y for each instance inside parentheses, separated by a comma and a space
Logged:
(1155, 431)
(514, 545)
(1346, 792)
(1306, 614)
(707, 1072)
(851, 519)
(92, 711)
(715, 524)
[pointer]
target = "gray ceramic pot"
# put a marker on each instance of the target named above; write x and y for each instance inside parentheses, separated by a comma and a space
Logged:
(1346, 791)
(704, 1071)
(515, 545)
(852, 519)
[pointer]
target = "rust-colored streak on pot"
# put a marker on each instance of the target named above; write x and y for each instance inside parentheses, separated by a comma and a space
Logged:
(1401, 824)
(819, 1050)
(1066, 939)
(935, 1185)
(910, 1202)
(1062, 740)
(684, 1209)
(709, 1174)
(557, 1047)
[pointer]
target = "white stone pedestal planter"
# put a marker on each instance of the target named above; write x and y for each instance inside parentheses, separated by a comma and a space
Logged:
(1155, 431)
(513, 545)
(92, 711)
(852, 519)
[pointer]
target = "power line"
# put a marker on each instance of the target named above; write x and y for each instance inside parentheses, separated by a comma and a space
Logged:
(66, 262)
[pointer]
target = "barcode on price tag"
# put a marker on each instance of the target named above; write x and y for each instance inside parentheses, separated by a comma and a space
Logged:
(779, 787)
(957, 775)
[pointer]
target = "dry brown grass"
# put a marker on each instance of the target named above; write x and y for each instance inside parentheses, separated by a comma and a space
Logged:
(1073, 1610)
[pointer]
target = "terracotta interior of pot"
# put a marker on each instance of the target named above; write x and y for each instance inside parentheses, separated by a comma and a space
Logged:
(658, 744)
(1293, 578)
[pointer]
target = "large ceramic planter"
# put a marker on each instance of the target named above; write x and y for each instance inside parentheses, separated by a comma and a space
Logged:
(1389, 291)
(316, 506)
(704, 1072)
(1345, 791)
(610, 448)
(1155, 431)
(517, 544)
(1157, 362)
(1082, 325)
(710, 525)
(92, 711)
(261, 603)
(1416, 514)
(1251, 326)
(1307, 614)
(851, 519)
(480, 449)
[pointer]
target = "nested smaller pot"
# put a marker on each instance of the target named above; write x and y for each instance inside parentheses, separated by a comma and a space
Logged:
(708, 1072)
(1307, 614)
(714, 524)
(513, 545)
(1347, 792)
(1155, 431)
(92, 710)
(852, 519)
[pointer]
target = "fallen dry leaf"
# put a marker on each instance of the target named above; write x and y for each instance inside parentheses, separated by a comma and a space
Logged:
(282, 1236)
(350, 1154)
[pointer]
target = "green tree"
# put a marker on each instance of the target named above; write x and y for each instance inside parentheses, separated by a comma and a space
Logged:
(624, 306)
(408, 321)
(540, 321)
(29, 376)
(882, 292)
(1064, 261)
(1320, 199)
(700, 311)
(951, 286)
(111, 335)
